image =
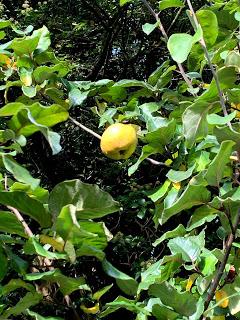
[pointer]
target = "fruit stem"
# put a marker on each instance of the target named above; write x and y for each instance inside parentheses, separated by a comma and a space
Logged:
(85, 128)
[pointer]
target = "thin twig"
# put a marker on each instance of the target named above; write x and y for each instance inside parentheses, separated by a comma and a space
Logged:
(180, 66)
(85, 128)
(20, 219)
(221, 268)
(215, 76)
(176, 17)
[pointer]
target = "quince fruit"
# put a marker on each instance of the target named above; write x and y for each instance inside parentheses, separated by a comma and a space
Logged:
(222, 295)
(119, 141)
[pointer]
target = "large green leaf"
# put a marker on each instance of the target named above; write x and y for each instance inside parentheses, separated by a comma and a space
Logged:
(209, 24)
(165, 4)
(27, 205)
(15, 284)
(202, 215)
(178, 176)
(37, 316)
(159, 311)
(30, 299)
(68, 227)
(33, 247)
(127, 284)
(11, 109)
(216, 168)
(20, 173)
(10, 224)
(162, 135)
(225, 133)
(177, 232)
(183, 303)
(28, 121)
(83, 196)
(122, 302)
(189, 247)
(67, 285)
(180, 45)
(195, 124)
(194, 195)
(4, 264)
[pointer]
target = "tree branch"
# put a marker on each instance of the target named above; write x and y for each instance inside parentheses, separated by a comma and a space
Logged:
(215, 76)
(180, 66)
(221, 268)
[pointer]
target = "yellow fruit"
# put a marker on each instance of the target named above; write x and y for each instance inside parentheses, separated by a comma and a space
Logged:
(236, 107)
(218, 317)
(220, 295)
(119, 141)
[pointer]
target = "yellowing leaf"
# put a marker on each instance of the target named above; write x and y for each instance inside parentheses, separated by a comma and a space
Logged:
(92, 310)
(55, 243)
(222, 296)
(26, 80)
(4, 59)
(168, 162)
(190, 281)
(177, 185)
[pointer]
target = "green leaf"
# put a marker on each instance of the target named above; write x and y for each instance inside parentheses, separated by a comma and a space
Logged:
(159, 311)
(225, 133)
(17, 263)
(208, 263)
(26, 205)
(233, 59)
(20, 173)
(10, 224)
(77, 97)
(123, 2)
(37, 116)
(215, 119)
(11, 109)
(97, 295)
(216, 168)
(177, 232)
(209, 24)
(180, 45)
(183, 303)
(29, 300)
(127, 284)
(95, 240)
(147, 150)
(178, 176)
(122, 302)
(195, 125)
(29, 91)
(67, 284)
(149, 27)
(24, 32)
(3, 265)
(165, 4)
(32, 246)
(25, 45)
(37, 316)
(189, 247)
(15, 284)
(4, 23)
(67, 225)
(201, 216)
(158, 193)
(194, 195)
(83, 196)
(162, 135)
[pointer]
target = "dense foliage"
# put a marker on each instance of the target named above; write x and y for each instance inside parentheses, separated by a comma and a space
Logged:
(164, 244)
